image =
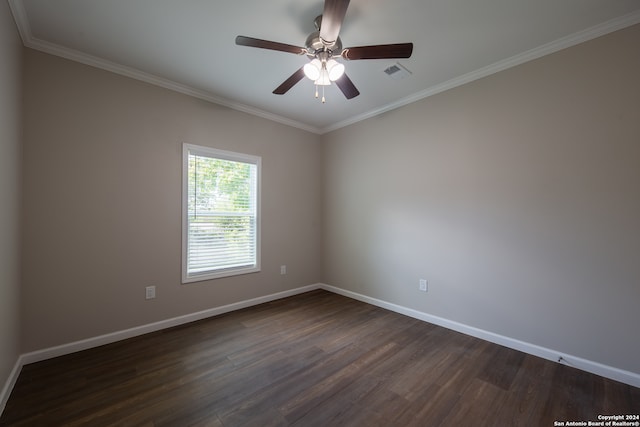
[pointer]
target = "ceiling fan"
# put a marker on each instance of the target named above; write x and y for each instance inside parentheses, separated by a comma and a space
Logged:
(323, 47)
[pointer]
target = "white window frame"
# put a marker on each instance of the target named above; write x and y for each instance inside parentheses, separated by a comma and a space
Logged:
(188, 149)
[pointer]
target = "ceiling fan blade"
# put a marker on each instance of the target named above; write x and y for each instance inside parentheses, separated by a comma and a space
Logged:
(347, 87)
(267, 44)
(381, 51)
(332, 17)
(290, 82)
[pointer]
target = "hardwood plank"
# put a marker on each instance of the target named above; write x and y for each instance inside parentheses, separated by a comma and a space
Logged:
(314, 359)
(315, 395)
(289, 387)
(534, 379)
(502, 368)
(477, 404)
(431, 407)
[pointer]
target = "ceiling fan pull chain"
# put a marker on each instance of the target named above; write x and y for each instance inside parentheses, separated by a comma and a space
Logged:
(323, 100)
(316, 91)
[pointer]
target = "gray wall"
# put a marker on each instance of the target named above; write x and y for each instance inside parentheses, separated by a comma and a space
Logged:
(517, 196)
(10, 126)
(102, 202)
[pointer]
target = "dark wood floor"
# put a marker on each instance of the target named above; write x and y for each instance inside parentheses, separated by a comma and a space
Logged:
(316, 359)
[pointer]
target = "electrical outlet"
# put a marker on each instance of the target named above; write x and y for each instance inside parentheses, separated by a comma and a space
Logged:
(423, 285)
(283, 269)
(150, 292)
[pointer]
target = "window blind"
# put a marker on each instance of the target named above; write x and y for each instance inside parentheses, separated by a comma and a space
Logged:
(222, 214)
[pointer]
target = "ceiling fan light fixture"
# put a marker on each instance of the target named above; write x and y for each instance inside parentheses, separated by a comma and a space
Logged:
(324, 79)
(334, 69)
(313, 69)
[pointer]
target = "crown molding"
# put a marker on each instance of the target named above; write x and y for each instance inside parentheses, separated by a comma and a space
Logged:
(134, 73)
(529, 55)
(22, 22)
(20, 17)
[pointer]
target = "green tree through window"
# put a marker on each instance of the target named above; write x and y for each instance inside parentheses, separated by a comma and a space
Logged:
(221, 214)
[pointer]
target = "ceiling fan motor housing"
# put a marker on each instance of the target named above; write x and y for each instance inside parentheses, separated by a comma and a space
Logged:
(315, 45)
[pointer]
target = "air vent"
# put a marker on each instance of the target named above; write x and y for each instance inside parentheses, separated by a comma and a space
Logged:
(397, 71)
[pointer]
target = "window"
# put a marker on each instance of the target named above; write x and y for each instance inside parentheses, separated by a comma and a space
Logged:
(220, 213)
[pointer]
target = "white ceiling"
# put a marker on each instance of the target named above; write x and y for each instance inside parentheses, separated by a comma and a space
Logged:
(188, 45)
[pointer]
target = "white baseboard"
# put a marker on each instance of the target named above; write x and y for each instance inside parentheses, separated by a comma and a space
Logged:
(85, 344)
(616, 374)
(61, 350)
(8, 385)
(610, 372)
